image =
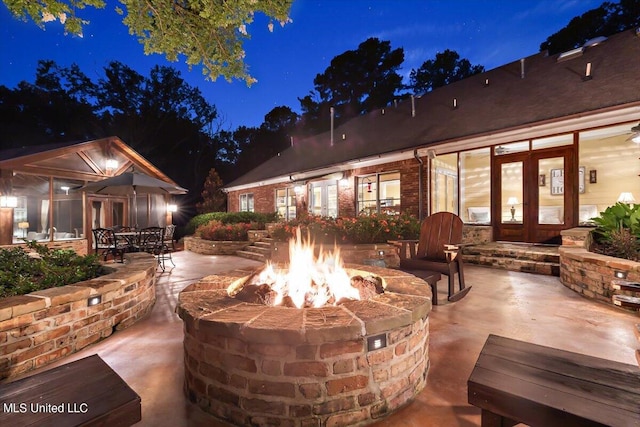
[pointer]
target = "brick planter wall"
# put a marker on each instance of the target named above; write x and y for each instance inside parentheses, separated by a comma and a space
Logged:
(79, 246)
(41, 327)
(213, 247)
(588, 273)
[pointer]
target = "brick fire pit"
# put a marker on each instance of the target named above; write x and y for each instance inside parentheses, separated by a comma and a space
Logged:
(351, 364)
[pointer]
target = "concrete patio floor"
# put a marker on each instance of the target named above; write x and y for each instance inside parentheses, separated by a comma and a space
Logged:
(534, 308)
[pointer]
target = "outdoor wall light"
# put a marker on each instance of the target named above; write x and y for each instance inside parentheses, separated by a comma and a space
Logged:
(619, 274)
(298, 189)
(172, 208)
(8, 202)
(95, 300)
(376, 342)
(635, 134)
(65, 188)
(344, 182)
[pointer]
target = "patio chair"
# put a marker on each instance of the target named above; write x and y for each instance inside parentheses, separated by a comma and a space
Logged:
(437, 250)
(169, 243)
(105, 243)
(151, 241)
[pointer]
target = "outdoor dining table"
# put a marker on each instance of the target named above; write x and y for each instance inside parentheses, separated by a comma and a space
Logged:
(131, 239)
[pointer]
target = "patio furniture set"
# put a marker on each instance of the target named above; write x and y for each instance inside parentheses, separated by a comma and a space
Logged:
(117, 241)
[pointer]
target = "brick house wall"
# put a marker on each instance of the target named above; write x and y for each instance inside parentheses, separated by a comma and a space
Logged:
(264, 196)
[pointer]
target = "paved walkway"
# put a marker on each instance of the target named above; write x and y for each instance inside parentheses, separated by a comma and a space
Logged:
(523, 306)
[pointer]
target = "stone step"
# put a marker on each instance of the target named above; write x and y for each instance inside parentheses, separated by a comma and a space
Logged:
(258, 250)
(514, 264)
(514, 251)
(263, 244)
(626, 301)
(251, 255)
(625, 285)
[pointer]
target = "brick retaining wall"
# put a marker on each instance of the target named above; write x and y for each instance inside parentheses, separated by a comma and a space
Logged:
(588, 273)
(44, 326)
(213, 247)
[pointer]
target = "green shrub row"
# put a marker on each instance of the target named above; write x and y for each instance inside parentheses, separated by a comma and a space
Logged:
(375, 228)
(22, 272)
(259, 219)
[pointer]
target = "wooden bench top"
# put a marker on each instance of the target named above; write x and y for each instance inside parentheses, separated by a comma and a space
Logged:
(543, 386)
(86, 392)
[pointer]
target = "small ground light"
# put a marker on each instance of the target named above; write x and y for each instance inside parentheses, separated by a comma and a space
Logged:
(376, 342)
(620, 274)
(94, 300)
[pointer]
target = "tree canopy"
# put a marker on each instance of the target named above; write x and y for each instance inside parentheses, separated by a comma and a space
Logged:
(356, 82)
(207, 32)
(608, 19)
(446, 68)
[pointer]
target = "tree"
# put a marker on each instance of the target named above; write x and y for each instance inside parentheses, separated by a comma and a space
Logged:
(213, 198)
(608, 19)
(356, 82)
(446, 68)
(206, 32)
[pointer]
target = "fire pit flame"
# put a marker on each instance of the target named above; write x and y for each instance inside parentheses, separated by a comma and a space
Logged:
(308, 281)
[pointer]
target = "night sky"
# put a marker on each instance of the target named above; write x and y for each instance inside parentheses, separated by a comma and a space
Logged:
(489, 33)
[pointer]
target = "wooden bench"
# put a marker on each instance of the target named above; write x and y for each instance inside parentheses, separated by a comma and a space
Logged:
(86, 392)
(516, 382)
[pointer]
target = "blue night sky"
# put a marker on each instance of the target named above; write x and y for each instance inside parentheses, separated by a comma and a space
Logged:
(489, 33)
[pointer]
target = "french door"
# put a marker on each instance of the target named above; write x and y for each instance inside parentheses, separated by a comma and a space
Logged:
(534, 195)
(323, 198)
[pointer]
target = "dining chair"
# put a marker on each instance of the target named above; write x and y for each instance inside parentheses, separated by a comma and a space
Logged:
(169, 242)
(151, 240)
(106, 243)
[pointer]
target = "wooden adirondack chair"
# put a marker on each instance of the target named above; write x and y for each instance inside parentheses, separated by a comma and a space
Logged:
(437, 250)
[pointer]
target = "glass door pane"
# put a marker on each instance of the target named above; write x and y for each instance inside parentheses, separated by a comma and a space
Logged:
(551, 195)
(332, 200)
(511, 206)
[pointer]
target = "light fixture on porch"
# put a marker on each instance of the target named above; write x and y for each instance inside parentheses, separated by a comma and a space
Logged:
(298, 189)
(513, 201)
(8, 202)
(626, 197)
(172, 207)
(65, 188)
(635, 134)
(111, 165)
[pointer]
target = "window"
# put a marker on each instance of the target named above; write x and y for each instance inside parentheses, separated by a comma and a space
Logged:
(609, 160)
(379, 193)
(286, 203)
(246, 202)
(444, 191)
(475, 186)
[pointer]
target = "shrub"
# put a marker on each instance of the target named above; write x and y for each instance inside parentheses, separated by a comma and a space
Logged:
(258, 219)
(617, 232)
(22, 272)
(376, 228)
(216, 230)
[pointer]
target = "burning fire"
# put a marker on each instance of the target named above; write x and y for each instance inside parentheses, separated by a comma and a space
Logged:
(308, 281)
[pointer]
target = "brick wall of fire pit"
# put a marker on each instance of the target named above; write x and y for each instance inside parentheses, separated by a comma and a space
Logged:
(255, 365)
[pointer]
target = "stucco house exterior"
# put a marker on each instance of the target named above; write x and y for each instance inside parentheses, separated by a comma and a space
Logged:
(528, 149)
(40, 197)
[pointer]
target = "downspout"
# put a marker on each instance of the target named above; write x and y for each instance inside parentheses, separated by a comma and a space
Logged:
(420, 178)
(332, 111)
